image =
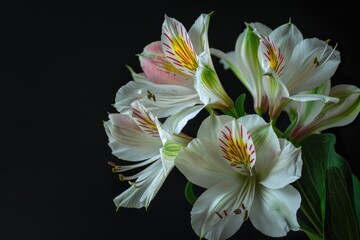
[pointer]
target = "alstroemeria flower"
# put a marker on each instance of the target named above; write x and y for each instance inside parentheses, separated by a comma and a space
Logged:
(138, 137)
(182, 57)
(246, 171)
(314, 117)
(295, 65)
(244, 62)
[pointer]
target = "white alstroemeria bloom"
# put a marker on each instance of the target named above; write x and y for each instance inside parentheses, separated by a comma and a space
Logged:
(296, 64)
(138, 137)
(183, 58)
(314, 117)
(244, 62)
(246, 171)
(293, 63)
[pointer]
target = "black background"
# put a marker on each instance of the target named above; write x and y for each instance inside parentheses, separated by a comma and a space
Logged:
(61, 65)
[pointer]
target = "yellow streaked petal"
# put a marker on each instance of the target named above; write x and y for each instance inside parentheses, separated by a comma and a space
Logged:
(178, 47)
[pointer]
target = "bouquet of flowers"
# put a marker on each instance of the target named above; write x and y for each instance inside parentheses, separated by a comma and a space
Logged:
(248, 165)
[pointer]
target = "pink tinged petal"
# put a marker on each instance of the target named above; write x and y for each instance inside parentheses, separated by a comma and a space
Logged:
(273, 212)
(159, 70)
(128, 141)
(177, 46)
(286, 169)
(312, 63)
(145, 120)
(220, 211)
(215, 123)
(237, 147)
(202, 164)
(143, 190)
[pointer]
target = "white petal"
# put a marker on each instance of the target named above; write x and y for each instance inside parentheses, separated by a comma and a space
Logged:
(286, 37)
(342, 113)
(252, 121)
(142, 192)
(267, 149)
(202, 163)
(313, 62)
(162, 100)
(219, 212)
(176, 122)
(260, 29)
(251, 72)
(210, 127)
(276, 92)
(303, 97)
(199, 33)
(306, 112)
(274, 211)
(286, 169)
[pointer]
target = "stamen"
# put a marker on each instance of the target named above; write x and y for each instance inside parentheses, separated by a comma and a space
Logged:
(246, 215)
(316, 62)
(133, 184)
(219, 215)
(121, 177)
(150, 96)
(237, 211)
(114, 167)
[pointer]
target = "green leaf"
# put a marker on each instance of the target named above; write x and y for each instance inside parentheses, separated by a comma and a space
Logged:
(311, 185)
(356, 186)
(189, 193)
(327, 190)
(239, 105)
(340, 219)
(310, 232)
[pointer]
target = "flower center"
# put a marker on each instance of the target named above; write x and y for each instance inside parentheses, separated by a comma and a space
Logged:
(171, 149)
(178, 48)
(273, 55)
(185, 56)
(238, 148)
(145, 121)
